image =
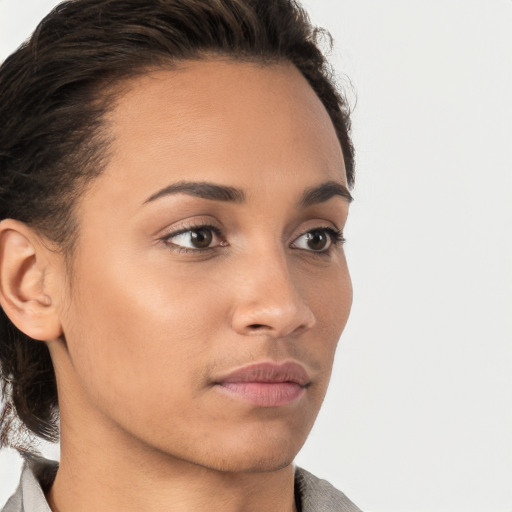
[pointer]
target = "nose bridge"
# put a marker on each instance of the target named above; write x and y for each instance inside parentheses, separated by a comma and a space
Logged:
(269, 300)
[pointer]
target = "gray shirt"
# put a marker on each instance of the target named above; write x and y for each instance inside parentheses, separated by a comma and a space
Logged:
(312, 494)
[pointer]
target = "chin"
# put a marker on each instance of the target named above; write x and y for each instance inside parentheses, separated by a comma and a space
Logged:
(256, 454)
(251, 463)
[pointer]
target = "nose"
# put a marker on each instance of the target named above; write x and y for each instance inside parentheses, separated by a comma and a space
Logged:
(267, 300)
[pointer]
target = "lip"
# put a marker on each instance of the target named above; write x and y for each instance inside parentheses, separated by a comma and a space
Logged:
(266, 384)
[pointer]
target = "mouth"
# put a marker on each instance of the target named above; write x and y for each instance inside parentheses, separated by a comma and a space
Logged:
(267, 384)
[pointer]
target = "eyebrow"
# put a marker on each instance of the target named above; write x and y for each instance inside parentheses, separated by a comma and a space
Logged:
(201, 189)
(215, 192)
(324, 192)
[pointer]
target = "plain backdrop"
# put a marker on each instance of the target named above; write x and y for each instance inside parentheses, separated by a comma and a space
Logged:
(418, 417)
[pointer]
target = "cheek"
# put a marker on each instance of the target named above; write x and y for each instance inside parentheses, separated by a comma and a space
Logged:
(140, 331)
(329, 293)
(338, 303)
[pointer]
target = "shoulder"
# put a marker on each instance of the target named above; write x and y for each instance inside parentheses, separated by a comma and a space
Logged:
(29, 496)
(317, 495)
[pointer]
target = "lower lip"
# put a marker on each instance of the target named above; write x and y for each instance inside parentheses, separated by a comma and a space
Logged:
(264, 394)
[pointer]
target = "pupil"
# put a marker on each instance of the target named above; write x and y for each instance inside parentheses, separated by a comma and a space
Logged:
(201, 238)
(317, 240)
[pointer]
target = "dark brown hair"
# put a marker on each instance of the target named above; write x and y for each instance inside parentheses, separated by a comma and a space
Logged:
(53, 97)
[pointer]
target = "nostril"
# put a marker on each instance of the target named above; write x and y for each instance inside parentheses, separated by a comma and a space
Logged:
(256, 326)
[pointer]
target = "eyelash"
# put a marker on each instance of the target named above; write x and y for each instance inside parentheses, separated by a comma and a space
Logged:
(335, 235)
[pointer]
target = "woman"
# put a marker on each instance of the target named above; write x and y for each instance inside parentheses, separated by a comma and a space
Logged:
(174, 187)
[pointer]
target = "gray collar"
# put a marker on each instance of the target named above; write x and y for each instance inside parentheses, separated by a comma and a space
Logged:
(312, 493)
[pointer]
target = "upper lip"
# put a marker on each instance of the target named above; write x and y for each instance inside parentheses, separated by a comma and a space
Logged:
(272, 372)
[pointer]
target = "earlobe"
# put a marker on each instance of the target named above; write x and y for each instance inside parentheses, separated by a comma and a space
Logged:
(23, 291)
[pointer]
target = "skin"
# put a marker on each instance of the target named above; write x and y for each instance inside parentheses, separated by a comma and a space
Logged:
(142, 329)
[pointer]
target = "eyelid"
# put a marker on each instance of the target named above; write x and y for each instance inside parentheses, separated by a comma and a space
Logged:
(188, 224)
(186, 229)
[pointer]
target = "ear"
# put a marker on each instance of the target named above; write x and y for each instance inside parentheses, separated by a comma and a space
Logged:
(24, 293)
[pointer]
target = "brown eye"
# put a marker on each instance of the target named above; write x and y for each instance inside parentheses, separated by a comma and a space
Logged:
(317, 240)
(201, 238)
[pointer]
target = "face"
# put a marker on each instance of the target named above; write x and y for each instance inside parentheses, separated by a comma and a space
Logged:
(209, 285)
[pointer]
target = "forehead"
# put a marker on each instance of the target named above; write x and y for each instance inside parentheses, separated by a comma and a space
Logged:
(222, 121)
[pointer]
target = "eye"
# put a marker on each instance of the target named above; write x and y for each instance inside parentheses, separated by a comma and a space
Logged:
(319, 240)
(194, 239)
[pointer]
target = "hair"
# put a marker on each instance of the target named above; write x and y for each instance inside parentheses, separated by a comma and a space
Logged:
(54, 93)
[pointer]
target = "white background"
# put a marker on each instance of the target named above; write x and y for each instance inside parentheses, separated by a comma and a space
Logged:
(419, 414)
